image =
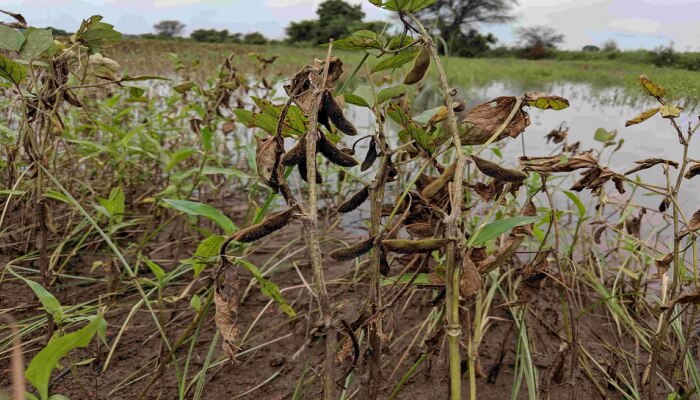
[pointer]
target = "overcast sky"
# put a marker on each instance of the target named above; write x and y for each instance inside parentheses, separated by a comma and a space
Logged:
(632, 23)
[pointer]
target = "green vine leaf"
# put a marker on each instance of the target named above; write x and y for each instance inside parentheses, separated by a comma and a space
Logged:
(10, 39)
(12, 71)
(38, 41)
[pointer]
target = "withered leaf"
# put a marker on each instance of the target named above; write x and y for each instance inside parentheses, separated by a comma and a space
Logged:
(559, 163)
(266, 158)
(497, 172)
(482, 121)
(650, 162)
(692, 171)
(645, 115)
(685, 298)
(662, 265)
(557, 135)
(651, 87)
(504, 254)
(693, 224)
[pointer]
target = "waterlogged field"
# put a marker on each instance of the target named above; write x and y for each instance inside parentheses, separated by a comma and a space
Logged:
(199, 221)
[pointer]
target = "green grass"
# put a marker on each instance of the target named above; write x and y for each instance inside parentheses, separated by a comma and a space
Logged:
(151, 56)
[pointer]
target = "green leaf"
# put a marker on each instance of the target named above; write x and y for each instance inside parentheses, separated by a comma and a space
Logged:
(38, 41)
(207, 249)
(114, 205)
(577, 202)
(184, 87)
(407, 6)
(203, 210)
(604, 136)
(497, 228)
(48, 301)
(356, 100)
(39, 369)
(196, 302)
(360, 40)
(156, 269)
(390, 92)
(10, 39)
(268, 288)
(403, 279)
(396, 61)
(12, 71)
(96, 35)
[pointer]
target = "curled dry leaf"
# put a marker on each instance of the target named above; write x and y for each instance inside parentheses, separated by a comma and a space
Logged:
(594, 178)
(269, 225)
(497, 172)
(651, 87)
(266, 157)
(692, 171)
(557, 135)
(406, 246)
(670, 111)
(693, 224)
(420, 67)
(482, 121)
(650, 162)
(645, 115)
(354, 251)
(533, 277)
(559, 163)
(662, 265)
(470, 281)
(226, 301)
(354, 201)
(685, 298)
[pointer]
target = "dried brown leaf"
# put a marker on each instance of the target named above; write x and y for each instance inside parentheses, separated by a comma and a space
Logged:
(482, 121)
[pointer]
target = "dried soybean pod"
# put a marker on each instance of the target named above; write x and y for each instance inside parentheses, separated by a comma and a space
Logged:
(334, 155)
(420, 229)
(371, 156)
(270, 224)
(296, 154)
(384, 267)
(406, 246)
(323, 119)
(497, 172)
(333, 111)
(436, 186)
(354, 201)
(420, 67)
(354, 251)
(470, 281)
(304, 172)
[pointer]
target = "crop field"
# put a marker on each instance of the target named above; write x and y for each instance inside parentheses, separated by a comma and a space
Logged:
(360, 220)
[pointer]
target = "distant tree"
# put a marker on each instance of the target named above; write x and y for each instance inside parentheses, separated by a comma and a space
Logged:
(336, 19)
(454, 20)
(254, 38)
(610, 45)
(590, 48)
(211, 36)
(472, 44)
(306, 31)
(59, 32)
(169, 28)
(665, 56)
(540, 35)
